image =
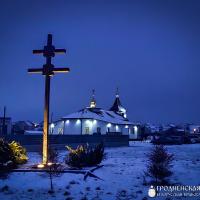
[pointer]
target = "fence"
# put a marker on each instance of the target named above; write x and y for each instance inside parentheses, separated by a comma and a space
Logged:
(34, 142)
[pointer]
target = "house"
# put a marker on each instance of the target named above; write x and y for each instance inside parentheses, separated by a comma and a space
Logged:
(5, 125)
(193, 129)
(20, 127)
(93, 120)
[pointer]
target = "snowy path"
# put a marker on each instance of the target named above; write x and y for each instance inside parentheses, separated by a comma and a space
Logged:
(122, 177)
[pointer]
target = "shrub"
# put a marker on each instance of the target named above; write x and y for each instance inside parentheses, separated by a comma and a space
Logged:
(85, 155)
(11, 155)
(159, 164)
(6, 155)
(19, 153)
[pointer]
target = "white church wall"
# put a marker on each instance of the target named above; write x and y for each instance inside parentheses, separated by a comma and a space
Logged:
(90, 126)
(134, 132)
(57, 128)
(124, 129)
(72, 127)
(103, 127)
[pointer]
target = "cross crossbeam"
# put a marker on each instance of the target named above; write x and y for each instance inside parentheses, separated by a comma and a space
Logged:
(45, 51)
(48, 70)
(49, 49)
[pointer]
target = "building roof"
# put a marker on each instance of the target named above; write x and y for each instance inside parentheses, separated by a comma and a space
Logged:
(26, 123)
(117, 106)
(99, 114)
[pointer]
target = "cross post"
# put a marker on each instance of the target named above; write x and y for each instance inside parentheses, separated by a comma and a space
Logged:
(48, 70)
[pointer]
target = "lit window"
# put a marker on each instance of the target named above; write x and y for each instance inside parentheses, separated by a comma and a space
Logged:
(98, 129)
(60, 131)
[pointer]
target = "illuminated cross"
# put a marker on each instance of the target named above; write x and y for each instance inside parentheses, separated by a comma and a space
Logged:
(48, 70)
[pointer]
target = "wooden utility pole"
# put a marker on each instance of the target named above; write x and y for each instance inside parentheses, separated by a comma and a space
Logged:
(48, 70)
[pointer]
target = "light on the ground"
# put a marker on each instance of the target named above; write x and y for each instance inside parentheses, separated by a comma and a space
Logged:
(49, 163)
(40, 166)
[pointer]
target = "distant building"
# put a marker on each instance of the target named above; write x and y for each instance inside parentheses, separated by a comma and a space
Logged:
(93, 120)
(20, 127)
(5, 125)
(193, 129)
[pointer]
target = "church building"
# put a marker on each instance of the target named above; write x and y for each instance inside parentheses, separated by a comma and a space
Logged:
(93, 120)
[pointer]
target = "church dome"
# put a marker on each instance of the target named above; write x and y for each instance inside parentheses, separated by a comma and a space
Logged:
(117, 106)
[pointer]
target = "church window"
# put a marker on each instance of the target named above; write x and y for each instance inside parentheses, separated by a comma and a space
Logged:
(98, 129)
(87, 130)
(60, 131)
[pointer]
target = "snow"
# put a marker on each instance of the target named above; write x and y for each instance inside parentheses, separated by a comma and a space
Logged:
(122, 176)
(33, 132)
(99, 114)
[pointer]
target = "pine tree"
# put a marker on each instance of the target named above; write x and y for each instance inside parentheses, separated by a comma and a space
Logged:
(159, 164)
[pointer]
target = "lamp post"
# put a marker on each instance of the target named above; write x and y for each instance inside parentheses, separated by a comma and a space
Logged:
(48, 70)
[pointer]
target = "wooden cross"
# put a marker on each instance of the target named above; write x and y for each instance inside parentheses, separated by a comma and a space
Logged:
(48, 70)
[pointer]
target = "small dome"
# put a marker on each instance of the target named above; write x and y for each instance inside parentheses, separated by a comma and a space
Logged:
(93, 100)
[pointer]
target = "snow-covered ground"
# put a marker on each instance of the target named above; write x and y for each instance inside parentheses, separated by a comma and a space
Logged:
(122, 177)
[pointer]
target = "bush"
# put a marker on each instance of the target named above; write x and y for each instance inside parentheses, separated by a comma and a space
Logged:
(159, 164)
(6, 155)
(11, 155)
(19, 153)
(85, 155)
